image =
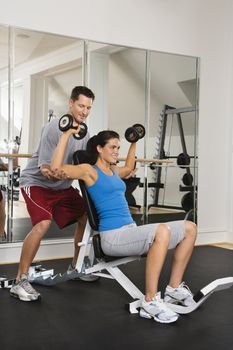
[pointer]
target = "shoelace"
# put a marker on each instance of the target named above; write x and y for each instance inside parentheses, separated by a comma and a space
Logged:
(185, 288)
(27, 286)
(163, 306)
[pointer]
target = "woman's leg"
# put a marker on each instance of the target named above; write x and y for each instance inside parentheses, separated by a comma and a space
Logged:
(155, 260)
(182, 254)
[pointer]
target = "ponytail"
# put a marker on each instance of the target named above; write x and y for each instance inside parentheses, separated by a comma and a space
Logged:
(100, 139)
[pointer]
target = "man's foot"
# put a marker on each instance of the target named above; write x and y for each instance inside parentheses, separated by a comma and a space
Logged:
(158, 310)
(23, 290)
(85, 278)
(181, 295)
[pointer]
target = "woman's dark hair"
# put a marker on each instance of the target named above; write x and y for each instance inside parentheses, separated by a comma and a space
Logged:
(101, 139)
(81, 90)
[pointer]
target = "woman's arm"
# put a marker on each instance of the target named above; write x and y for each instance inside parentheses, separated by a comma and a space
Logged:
(129, 163)
(83, 171)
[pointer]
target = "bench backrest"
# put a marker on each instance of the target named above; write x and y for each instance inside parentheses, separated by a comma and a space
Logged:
(80, 157)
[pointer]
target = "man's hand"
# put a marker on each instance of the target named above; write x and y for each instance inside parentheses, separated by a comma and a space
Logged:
(52, 175)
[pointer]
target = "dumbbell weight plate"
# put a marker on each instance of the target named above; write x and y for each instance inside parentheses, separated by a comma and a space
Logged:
(65, 122)
(82, 132)
(183, 160)
(131, 135)
(140, 129)
(187, 179)
(187, 202)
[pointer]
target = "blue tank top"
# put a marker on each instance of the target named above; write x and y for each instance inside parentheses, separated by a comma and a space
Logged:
(108, 195)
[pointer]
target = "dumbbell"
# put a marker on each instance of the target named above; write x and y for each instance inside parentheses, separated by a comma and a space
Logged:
(66, 123)
(134, 133)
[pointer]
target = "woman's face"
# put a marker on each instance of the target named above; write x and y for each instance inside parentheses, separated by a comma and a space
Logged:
(110, 151)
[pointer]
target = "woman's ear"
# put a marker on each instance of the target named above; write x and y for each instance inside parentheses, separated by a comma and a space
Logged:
(99, 149)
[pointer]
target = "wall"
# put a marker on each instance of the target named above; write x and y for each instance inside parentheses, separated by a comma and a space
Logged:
(191, 27)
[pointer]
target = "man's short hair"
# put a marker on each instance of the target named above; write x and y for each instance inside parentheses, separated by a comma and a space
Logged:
(81, 90)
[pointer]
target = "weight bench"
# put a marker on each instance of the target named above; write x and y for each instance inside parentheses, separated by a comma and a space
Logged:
(91, 259)
(96, 261)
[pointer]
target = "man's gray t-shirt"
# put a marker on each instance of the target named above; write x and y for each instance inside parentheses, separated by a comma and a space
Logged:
(31, 175)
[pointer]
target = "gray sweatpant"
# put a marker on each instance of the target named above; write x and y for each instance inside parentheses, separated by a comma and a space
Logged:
(136, 240)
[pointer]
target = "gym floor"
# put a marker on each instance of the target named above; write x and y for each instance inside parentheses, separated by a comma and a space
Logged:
(89, 316)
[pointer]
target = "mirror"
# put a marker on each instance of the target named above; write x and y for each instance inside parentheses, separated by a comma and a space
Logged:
(3, 127)
(42, 70)
(158, 90)
(172, 121)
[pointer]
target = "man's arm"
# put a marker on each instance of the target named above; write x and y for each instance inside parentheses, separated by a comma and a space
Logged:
(49, 139)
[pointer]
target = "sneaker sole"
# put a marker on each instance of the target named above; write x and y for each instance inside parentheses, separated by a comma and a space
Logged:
(89, 279)
(176, 302)
(22, 298)
(144, 314)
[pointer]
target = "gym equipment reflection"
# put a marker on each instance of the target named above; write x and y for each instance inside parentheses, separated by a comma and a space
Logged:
(131, 87)
(188, 201)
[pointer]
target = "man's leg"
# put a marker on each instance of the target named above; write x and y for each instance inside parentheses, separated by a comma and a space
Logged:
(22, 288)
(78, 235)
(31, 245)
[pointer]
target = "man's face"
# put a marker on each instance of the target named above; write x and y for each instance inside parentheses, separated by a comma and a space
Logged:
(80, 108)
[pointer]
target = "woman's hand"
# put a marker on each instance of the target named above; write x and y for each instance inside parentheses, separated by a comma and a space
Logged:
(60, 174)
(51, 174)
(74, 130)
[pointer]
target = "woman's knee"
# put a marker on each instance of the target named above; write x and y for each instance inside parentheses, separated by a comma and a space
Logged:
(190, 229)
(163, 234)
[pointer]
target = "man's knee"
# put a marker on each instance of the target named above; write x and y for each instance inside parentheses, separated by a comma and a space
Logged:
(41, 227)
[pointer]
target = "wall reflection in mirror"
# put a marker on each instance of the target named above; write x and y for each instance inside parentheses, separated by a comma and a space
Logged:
(37, 73)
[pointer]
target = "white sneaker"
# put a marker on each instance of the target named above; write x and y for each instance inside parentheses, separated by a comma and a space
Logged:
(181, 295)
(23, 290)
(158, 310)
(85, 278)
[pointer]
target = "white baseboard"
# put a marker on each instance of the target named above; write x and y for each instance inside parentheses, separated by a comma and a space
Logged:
(49, 249)
(208, 236)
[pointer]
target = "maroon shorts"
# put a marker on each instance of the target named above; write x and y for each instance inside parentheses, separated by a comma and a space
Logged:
(63, 206)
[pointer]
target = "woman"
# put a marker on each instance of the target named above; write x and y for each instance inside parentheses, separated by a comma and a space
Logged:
(120, 236)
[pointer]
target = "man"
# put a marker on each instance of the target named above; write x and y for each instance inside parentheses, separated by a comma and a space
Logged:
(49, 198)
